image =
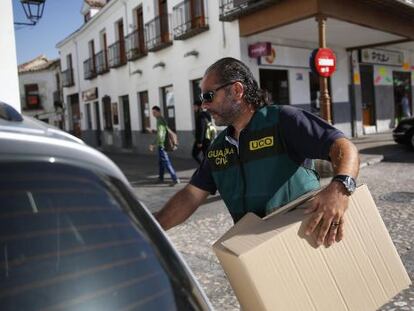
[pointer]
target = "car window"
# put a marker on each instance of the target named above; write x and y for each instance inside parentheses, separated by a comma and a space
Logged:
(67, 244)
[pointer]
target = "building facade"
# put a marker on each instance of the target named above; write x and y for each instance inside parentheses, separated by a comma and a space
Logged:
(9, 82)
(130, 55)
(41, 91)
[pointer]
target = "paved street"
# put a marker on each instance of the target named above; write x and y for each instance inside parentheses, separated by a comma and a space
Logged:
(390, 181)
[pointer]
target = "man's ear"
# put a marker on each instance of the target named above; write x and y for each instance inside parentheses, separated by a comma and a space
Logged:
(238, 89)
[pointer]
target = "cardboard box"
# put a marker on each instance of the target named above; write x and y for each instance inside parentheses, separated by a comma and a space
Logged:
(271, 265)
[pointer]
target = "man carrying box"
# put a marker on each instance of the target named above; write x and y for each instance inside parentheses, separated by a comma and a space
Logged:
(263, 159)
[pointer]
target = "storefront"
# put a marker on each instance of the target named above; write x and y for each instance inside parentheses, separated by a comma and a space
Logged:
(365, 94)
(385, 76)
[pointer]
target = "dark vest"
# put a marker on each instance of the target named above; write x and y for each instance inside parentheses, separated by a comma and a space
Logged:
(260, 176)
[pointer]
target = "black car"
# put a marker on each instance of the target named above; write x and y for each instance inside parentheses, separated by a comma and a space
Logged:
(404, 132)
(72, 234)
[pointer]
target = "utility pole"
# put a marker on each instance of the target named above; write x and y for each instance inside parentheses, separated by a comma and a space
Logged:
(324, 98)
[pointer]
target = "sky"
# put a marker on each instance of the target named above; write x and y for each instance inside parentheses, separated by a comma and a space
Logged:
(60, 18)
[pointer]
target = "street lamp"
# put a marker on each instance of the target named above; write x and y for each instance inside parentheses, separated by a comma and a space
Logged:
(33, 10)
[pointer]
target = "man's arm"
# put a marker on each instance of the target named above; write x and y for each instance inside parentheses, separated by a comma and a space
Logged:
(184, 203)
(330, 204)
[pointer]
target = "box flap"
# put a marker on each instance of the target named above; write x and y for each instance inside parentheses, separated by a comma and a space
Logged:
(256, 235)
(249, 220)
(301, 201)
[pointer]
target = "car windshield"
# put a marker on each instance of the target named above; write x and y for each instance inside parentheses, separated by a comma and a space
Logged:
(67, 244)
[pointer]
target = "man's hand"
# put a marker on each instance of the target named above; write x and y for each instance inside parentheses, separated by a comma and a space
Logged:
(199, 146)
(184, 203)
(151, 148)
(327, 220)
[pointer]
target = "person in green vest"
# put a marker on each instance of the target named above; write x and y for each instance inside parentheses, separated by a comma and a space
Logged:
(164, 161)
(263, 159)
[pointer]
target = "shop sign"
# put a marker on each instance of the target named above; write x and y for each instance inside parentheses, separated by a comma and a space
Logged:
(90, 94)
(323, 62)
(260, 49)
(382, 57)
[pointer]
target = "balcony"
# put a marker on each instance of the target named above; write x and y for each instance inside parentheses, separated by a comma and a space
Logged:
(158, 33)
(101, 61)
(135, 45)
(189, 19)
(117, 55)
(89, 71)
(233, 9)
(67, 78)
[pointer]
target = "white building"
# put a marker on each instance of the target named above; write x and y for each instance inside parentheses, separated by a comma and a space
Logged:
(9, 83)
(133, 54)
(40, 90)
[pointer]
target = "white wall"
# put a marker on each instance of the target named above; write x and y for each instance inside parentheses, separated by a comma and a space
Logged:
(222, 39)
(9, 83)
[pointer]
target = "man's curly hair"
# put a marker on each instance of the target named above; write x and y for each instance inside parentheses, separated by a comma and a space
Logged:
(229, 69)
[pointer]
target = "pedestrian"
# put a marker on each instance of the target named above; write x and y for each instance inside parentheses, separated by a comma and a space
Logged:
(202, 138)
(164, 161)
(261, 161)
(405, 106)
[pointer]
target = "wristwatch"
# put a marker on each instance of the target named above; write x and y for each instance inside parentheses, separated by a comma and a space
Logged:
(348, 182)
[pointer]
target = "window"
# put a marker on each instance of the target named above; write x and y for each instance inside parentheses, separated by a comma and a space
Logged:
(69, 61)
(169, 106)
(69, 241)
(145, 110)
(32, 96)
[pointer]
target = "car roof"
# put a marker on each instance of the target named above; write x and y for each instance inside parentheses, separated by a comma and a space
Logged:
(25, 138)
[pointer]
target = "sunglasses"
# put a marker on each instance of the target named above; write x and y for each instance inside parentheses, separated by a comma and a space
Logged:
(208, 96)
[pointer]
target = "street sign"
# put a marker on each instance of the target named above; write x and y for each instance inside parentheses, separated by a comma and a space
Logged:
(260, 49)
(323, 62)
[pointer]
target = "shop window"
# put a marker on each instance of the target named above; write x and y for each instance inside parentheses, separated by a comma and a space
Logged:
(32, 96)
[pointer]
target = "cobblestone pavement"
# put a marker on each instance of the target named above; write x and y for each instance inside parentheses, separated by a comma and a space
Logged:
(391, 183)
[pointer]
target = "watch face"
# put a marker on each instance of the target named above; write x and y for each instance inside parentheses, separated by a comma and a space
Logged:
(347, 181)
(350, 184)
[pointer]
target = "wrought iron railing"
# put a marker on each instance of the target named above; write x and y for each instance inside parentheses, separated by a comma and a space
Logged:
(233, 9)
(189, 19)
(101, 62)
(158, 32)
(67, 78)
(116, 54)
(135, 45)
(89, 70)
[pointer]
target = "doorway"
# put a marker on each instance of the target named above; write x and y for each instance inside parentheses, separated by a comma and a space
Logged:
(368, 96)
(127, 122)
(75, 118)
(402, 85)
(98, 124)
(277, 84)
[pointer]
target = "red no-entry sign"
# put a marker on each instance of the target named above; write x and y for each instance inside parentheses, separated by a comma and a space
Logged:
(324, 62)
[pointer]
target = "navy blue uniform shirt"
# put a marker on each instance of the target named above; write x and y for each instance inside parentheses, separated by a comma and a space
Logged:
(306, 137)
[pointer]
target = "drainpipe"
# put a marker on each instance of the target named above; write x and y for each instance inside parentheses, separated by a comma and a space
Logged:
(352, 95)
(324, 97)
